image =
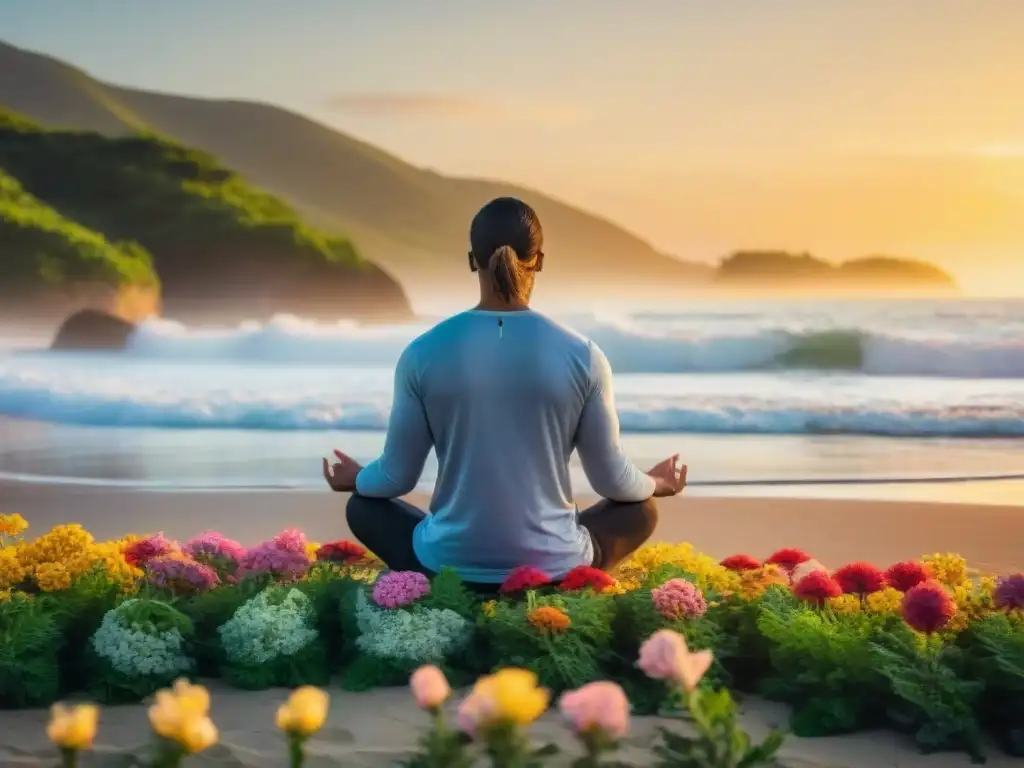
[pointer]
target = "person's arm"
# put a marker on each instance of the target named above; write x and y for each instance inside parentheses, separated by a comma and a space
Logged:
(409, 440)
(610, 473)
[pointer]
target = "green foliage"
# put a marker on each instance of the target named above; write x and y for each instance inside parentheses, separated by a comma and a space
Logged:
(209, 610)
(448, 591)
(41, 248)
(308, 666)
(30, 640)
(561, 659)
(325, 585)
(78, 612)
(441, 747)
(994, 653)
(926, 695)
(822, 665)
(719, 741)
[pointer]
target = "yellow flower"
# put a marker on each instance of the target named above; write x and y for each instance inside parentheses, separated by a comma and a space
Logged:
(949, 568)
(304, 713)
(887, 600)
(360, 573)
(311, 548)
(52, 577)
(845, 604)
(181, 715)
(549, 617)
(510, 696)
(12, 525)
(73, 727)
(5, 595)
(12, 570)
(488, 608)
(709, 573)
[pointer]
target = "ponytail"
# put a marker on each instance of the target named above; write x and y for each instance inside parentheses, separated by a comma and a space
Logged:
(509, 275)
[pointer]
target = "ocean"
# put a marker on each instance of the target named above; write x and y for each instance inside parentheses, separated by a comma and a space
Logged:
(896, 399)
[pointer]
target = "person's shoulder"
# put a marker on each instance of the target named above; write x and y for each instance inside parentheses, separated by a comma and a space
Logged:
(564, 333)
(436, 335)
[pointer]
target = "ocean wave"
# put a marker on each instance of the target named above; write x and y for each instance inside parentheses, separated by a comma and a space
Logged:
(645, 345)
(118, 402)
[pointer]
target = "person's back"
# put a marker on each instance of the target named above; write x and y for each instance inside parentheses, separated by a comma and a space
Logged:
(504, 395)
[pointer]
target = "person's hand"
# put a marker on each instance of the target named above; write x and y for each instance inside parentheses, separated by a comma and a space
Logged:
(341, 475)
(669, 477)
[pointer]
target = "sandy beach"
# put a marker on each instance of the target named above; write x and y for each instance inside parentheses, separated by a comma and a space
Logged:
(373, 729)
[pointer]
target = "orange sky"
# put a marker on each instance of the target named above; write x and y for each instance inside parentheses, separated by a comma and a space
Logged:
(841, 127)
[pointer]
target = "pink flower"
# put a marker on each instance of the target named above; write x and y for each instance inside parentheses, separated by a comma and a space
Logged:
(474, 710)
(283, 557)
(429, 687)
(398, 588)
(665, 656)
(806, 568)
(600, 706)
(216, 550)
(140, 552)
(180, 575)
(1009, 593)
(678, 599)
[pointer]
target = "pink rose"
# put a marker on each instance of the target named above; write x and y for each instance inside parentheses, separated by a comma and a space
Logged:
(664, 656)
(601, 706)
(805, 568)
(473, 711)
(429, 687)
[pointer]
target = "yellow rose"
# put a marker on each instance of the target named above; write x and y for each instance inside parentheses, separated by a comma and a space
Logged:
(181, 715)
(73, 727)
(305, 711)
(510, 696)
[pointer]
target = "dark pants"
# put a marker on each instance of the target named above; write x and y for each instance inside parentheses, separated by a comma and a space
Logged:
(385, 527)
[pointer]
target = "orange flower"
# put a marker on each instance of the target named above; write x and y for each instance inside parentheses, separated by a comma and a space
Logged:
(549, 617)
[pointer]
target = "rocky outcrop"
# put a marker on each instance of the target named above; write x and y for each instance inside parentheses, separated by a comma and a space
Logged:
(90, 329)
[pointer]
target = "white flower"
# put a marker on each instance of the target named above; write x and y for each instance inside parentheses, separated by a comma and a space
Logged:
(417, 634)
(270, 625)
(139, 650)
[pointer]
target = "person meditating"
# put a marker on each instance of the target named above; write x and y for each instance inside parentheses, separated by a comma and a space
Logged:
(504, 395)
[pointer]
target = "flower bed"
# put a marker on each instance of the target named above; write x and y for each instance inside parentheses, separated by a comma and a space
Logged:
(926, 647)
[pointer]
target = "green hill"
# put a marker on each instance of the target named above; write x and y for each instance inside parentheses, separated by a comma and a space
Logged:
(412, 221)
(81, 210)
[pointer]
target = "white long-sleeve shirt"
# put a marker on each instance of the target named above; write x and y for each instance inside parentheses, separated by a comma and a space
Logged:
(504, 398)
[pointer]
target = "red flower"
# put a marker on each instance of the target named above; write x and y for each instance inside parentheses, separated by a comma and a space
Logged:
(523, 578)
(342, 551)
(906, 575)
(741, 563)
(859, 579)
(586, 576)
(788, 558)
(927, 607)
(817, 587)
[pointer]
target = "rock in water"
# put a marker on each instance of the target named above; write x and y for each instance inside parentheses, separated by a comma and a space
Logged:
(92, 329)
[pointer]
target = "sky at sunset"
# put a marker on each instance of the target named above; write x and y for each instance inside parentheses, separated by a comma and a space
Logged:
(841, 127)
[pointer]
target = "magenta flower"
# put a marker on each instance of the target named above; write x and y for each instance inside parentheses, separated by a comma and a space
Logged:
(215, 550)
(140, 552)
(180, 575)
(283, 557)
(1009, 593)
(399, 588)
(679, 599)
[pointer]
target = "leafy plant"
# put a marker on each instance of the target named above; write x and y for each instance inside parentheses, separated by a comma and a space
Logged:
(719, 742)
(994, 654)
(926, 695)
(30, 639)
(822, 665)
